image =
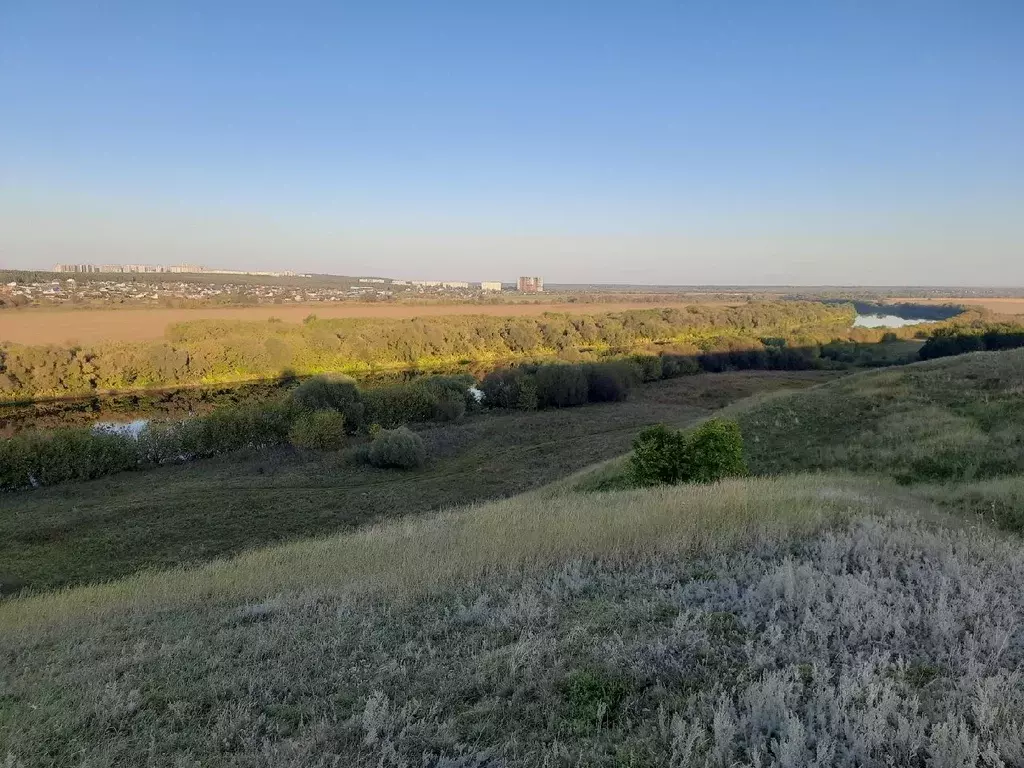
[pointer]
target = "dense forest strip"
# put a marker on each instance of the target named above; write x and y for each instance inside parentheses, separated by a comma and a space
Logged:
(210, 352)
(133, 322)
(222, 352)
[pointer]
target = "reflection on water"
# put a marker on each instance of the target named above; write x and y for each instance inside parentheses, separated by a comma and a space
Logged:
(129, 428)
(886, 321)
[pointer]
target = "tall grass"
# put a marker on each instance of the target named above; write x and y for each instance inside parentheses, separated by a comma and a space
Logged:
(878, 642)
(416, 555)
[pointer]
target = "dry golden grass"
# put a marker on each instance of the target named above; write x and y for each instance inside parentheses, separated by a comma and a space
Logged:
(536, 530)
(88, 326)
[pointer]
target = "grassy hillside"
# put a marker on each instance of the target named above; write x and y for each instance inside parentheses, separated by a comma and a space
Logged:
(814, 619)
(947, 426)
(955, 419)
(811, 617)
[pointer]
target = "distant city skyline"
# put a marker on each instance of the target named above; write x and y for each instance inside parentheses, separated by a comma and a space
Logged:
(743, 143)
(86, 268)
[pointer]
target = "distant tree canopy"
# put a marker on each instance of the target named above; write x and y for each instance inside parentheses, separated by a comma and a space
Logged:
(214, 352)
(905, 310)
(958, 340)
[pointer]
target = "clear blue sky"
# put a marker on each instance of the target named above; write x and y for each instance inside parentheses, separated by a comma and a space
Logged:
(654, 142)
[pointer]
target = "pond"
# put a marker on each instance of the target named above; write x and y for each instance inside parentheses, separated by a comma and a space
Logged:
(887, 321)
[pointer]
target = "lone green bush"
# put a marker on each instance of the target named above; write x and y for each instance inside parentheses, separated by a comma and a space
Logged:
(711, 452)
(401, 448)
(322, 430)
(715, 451)
(660, 456)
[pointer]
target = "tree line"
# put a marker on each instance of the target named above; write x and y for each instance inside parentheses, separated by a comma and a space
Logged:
(959, 340)
(212, 352)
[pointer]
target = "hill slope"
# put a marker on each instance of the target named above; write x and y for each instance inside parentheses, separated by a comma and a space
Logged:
(798, 621)
(803, 620)
(951, 428)
(954, 419)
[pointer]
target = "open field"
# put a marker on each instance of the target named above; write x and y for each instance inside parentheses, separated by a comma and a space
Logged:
(194, 512)
(96, 325)
(1002, 306)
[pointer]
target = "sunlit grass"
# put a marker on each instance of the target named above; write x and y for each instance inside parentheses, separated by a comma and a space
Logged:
(531, 531)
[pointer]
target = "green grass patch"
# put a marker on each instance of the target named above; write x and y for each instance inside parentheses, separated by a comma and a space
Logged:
(191, 513)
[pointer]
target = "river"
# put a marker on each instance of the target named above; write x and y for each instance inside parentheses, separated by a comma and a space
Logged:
(887, 321)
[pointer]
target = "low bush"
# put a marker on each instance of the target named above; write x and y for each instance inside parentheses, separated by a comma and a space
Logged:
(714, 452)
(561, 386)
(326, 392)
(674, 366)
(338, 393)
(711, 452)
(38, 458)
(397, 404)
(649, 367)
(231, 428)
(447, 385)
(451, 406)
(322, 430)
(659, 457)
(161, 443)
(509, 388)
(399, 448)
(452, 395)
(609, 382)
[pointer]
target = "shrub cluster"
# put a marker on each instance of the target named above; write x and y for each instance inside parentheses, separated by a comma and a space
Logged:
(711, 452)
(315, 415)
(44, 458)
(335, 393)
(559, 385)
(441, 398)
